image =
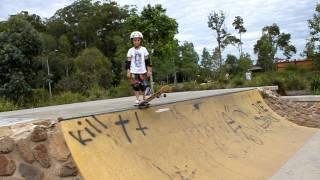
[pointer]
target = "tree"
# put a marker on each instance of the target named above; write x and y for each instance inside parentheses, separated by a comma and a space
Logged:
(314, 25)
(35, 20)
(270, 42)
(238, 25)
(206, 63)
(92, 69)
(158, 31)
(216, 23)
(263, 49)
(313, 44)
(20, 45)
(231, 64)
(244, 63)
(216, 59)
(188, 62)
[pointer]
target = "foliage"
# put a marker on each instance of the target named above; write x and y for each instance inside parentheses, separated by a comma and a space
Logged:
(268, 45)
(216, 21)
(6, 105)
(93, 68)
(231, 64)
(20, 44)
(238, 25)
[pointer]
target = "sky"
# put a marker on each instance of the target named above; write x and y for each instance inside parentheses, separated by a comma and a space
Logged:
(192, 17)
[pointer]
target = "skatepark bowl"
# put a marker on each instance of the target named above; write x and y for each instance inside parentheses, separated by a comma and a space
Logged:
(230, 136)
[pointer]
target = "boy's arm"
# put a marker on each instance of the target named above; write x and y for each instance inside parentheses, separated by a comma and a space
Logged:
(148, 65)
(128, 63)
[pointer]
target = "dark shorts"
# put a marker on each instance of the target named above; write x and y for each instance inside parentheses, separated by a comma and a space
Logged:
(139, 82)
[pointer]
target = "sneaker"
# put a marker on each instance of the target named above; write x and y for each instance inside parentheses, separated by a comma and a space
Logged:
(137, 101)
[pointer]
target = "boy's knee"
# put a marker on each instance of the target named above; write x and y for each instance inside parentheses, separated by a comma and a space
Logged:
(143, 85)
(136, 86)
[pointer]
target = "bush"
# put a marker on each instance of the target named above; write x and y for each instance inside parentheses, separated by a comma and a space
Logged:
(191, 86)
(67, 98)
(315, 84)
(6, 105)
(291, 67)
(237, 81)
(97, 93)
(295, 82)
(39, 98)
(122, 90)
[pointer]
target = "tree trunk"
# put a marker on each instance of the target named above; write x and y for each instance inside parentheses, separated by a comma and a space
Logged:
(175, 78)
(220, 55)
(240, 46)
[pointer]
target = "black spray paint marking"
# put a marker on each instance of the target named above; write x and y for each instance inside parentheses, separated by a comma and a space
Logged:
(197, 106)
(122, 123)
(93, 126)
(140, 128)
(79, 138)
(237, 128)
(90, 132)
(264, 115)
(98, 121)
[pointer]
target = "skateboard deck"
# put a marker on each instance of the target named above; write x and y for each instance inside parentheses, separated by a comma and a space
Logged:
(145, 103)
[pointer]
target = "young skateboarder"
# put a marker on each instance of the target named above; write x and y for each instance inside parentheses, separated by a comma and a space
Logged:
(138, 66)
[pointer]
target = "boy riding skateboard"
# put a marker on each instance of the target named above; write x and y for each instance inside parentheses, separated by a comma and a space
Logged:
(138, 66)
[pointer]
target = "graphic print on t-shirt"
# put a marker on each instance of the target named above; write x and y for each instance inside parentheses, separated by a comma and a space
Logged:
(138, 59)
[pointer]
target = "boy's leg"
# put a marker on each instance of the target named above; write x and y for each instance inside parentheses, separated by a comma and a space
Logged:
(136, 86)
(144, 85)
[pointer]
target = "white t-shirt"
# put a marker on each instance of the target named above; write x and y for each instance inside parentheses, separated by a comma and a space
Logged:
(138, 65)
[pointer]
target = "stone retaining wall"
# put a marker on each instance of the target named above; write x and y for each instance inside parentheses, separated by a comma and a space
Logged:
(35, 151)
(302, 113)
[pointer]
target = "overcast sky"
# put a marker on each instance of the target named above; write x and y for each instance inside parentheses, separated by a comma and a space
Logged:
(192, 17)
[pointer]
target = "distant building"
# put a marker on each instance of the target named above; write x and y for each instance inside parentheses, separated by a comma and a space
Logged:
(256, 68)
(303, 64)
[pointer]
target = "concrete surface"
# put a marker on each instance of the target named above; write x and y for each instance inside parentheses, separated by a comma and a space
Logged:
(309, 98)
(101, 106)
(229, 136)
(305, 165)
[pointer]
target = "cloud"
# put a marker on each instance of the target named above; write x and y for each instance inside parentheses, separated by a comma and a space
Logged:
(192, 17)
(43, 8)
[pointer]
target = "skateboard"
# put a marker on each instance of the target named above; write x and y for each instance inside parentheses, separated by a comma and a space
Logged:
(145, 103)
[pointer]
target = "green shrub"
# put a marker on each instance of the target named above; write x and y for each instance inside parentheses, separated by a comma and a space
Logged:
(97, 93)
(237, 81)
(122, 90)
(67, 98)
(315, 84)
(291, 67)
(39, 97)
(295, 82)
(6, 105)
(178, 88)
(190, 86)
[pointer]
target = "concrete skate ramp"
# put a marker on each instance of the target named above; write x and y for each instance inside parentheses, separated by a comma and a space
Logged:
(232, 136)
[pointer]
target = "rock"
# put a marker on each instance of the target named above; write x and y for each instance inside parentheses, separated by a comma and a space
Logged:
(13, 178)
(38, 134)
(7, 166)
(45, 123)
(30, 172)
(6, 144)
(68, 169)
(24, 151)
(40, 153)
(58, 148)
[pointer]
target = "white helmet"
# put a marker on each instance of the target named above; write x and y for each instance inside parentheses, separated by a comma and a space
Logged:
(136, 34)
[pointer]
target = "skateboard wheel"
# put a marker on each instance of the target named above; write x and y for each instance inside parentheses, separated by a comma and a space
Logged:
(164, 95)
